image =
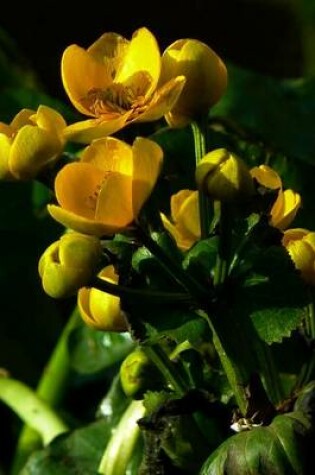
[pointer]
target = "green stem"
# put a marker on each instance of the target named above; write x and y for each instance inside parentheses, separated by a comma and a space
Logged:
(121, 445)
(50, 389)
(268, 370)
(199, 129)
(167, 368)
(183, 278)
(222, 263)
(31, 409)
(143, 294)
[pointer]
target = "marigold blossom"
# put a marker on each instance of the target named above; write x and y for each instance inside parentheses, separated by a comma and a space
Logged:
(115, 82)
(104, 192)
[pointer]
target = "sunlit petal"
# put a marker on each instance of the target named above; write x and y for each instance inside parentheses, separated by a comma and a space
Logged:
(109, 154)
(77, 186)
(163, 100)
(114, 204)
(87, 130)
(82, 73)
(147, 159)
(143, 55)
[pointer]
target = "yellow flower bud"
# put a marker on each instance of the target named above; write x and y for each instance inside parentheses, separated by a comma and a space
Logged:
(224, 176)
(31, 142)
(68, 264)
(300, 244)
(138, 374)
(99, 309)
(206, 79)
(184, 222)
(287, 202)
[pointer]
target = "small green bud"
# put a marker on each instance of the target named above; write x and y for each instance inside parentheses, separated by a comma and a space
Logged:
(68, 264)
(224, 176)
(138, 374)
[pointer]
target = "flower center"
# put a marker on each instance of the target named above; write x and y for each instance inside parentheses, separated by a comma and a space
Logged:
(119, 98)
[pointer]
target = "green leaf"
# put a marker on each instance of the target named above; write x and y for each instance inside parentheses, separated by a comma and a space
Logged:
(279, 113)
(92, 351)
(274, 296)
(77, 453)
(282, 448)
(201, 258)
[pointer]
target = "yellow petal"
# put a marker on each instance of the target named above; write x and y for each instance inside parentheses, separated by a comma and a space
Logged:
(147, 160)
(87, 130)
(109, 46)
(293, 235)
(114, 204)
(79, 223)
(188, 216)
(266, 177)
(177, 201)
(77, 186)
(285, 209)
(206, 78)
(109, 154)
(22, 118)
(182, 241)
(80, 74)
(31, 150)
(5, 149)
(163, 100)
(49, 119)
(143, 55)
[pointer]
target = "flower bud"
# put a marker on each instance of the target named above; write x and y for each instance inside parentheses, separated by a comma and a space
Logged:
(300, 244)
(287, 202)
(206, 79)
(32, 142)
(138, 374)
(184, 222)
(224, 176)
(101, 310)
(68, 264)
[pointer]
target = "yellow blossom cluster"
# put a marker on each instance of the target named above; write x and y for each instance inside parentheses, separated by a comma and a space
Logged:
(113, 83)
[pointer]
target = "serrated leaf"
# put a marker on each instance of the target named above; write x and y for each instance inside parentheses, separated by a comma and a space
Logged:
(274, 297)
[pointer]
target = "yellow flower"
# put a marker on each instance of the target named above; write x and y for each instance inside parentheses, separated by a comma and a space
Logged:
(101, 310)
(287, 203)
(115, 82)
(32, 141)
(184, 225)
(300, 244)
(104, 192)
(224, 176)
(206, 79)
(69, 263)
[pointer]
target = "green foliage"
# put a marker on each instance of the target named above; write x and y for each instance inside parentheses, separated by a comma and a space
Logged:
(282, 448)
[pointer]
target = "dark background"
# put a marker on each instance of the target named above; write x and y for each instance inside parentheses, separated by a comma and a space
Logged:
(263, 35)
(272, 37)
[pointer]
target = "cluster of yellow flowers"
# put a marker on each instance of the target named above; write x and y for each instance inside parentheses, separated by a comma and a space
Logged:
(116, 82)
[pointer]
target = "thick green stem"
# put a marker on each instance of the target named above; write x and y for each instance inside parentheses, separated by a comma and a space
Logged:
(166, 368)
(143, 294)
(31, 409)
(183, 278)
(50, 389)
(120, 448)
(199, 129)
